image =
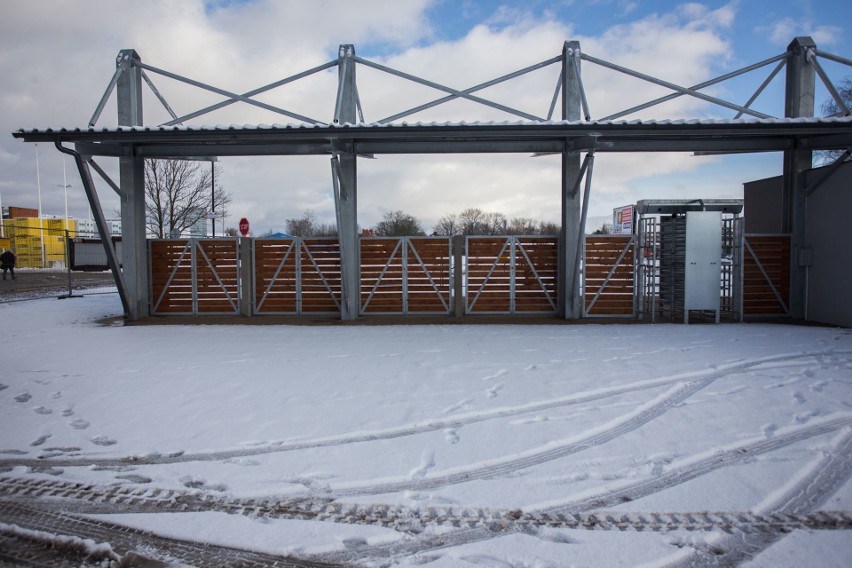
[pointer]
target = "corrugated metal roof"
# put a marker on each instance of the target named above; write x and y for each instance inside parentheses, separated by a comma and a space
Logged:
(463, 124)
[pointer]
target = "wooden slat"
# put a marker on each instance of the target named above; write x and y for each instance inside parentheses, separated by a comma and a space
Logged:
(600, 256)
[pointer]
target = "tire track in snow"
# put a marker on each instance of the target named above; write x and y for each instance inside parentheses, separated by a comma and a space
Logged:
(48, 528)
(806, 495)
(475, 524)
(451, 422)
(549, 452)
(610, 498)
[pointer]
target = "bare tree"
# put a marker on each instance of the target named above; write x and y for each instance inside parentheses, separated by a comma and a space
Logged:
(549, 228)
(475, 221)
(495, 224)
(398, 224)
(179, 195)
(472, 221)
(307, 226)
(522, 226)
(448, 225)
(832, 108)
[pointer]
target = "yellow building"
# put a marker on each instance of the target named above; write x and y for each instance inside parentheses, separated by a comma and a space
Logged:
(38, 242)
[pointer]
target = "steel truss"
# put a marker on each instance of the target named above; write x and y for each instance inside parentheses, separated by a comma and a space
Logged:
(349, 135)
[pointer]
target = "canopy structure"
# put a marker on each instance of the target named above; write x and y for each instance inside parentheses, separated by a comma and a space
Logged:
(741, 135)
(348, 137)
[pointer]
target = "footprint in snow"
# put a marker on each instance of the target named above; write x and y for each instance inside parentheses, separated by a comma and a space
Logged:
(40, 440)
(196, 483)
(817, 387)
(3, 387)
(356, 543)
(68, 412)
(427, 462)
(492, 392)
(42, 410)
(769, 430)
(23, 397)
(47, 470)
(799, 397)
(79, 424)
(452, 436)
(103, 441)
(56, 396)
(804, 417)
(68, 450)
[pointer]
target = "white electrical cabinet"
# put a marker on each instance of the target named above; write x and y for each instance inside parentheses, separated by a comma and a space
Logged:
(702, 262)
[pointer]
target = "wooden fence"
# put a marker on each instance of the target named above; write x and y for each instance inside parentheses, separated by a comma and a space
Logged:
(194, 276)
(609, 276)
(766, 274)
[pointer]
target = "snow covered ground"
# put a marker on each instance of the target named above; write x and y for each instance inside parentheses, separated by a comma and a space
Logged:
(435, 445)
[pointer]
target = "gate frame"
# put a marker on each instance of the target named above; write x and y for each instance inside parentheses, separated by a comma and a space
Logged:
(404, 246)
(747, 249)
(514, 244)
(194, 244)
(301, 250)
(634, 242)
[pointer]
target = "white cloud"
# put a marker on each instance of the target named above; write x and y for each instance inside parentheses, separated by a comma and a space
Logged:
(56, 61)
(782, 31)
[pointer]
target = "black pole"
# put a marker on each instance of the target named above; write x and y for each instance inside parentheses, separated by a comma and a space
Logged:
(213, 195)
(68, 258)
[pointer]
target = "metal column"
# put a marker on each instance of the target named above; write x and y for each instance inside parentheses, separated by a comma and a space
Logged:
(798, 102)
(344, 173)
(132, 185)
(569, 289)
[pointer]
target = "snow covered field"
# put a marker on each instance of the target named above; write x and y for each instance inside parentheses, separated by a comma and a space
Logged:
(435, 445)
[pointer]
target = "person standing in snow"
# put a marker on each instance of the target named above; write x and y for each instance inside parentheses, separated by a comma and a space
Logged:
(7, 259)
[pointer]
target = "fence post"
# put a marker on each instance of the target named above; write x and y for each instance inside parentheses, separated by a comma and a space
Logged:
(246, 276)
(68, 258)
(458, 275)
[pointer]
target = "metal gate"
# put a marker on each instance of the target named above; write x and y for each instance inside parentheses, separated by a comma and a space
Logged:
(406, 275)
(296, 276)
(515, 274)
(194, 276)
(766, 275)
(609, 276)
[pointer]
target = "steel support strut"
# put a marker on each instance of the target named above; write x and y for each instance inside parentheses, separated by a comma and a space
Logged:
(345, 177)
(798, 102)
(569, 289)
(132, 186)
(100, 222)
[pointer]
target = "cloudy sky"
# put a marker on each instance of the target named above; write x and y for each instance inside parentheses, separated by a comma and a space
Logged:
(57, 57)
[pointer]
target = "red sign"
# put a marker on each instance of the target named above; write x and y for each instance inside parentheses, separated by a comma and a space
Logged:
(244, 226)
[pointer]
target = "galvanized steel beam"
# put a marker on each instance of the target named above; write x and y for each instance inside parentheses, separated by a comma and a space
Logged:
(100, 223)
(345, 178)
(798, 102)
(132, 190)
(569, 289)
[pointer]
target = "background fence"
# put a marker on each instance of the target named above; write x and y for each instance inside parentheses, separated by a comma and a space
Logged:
(53, 257)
